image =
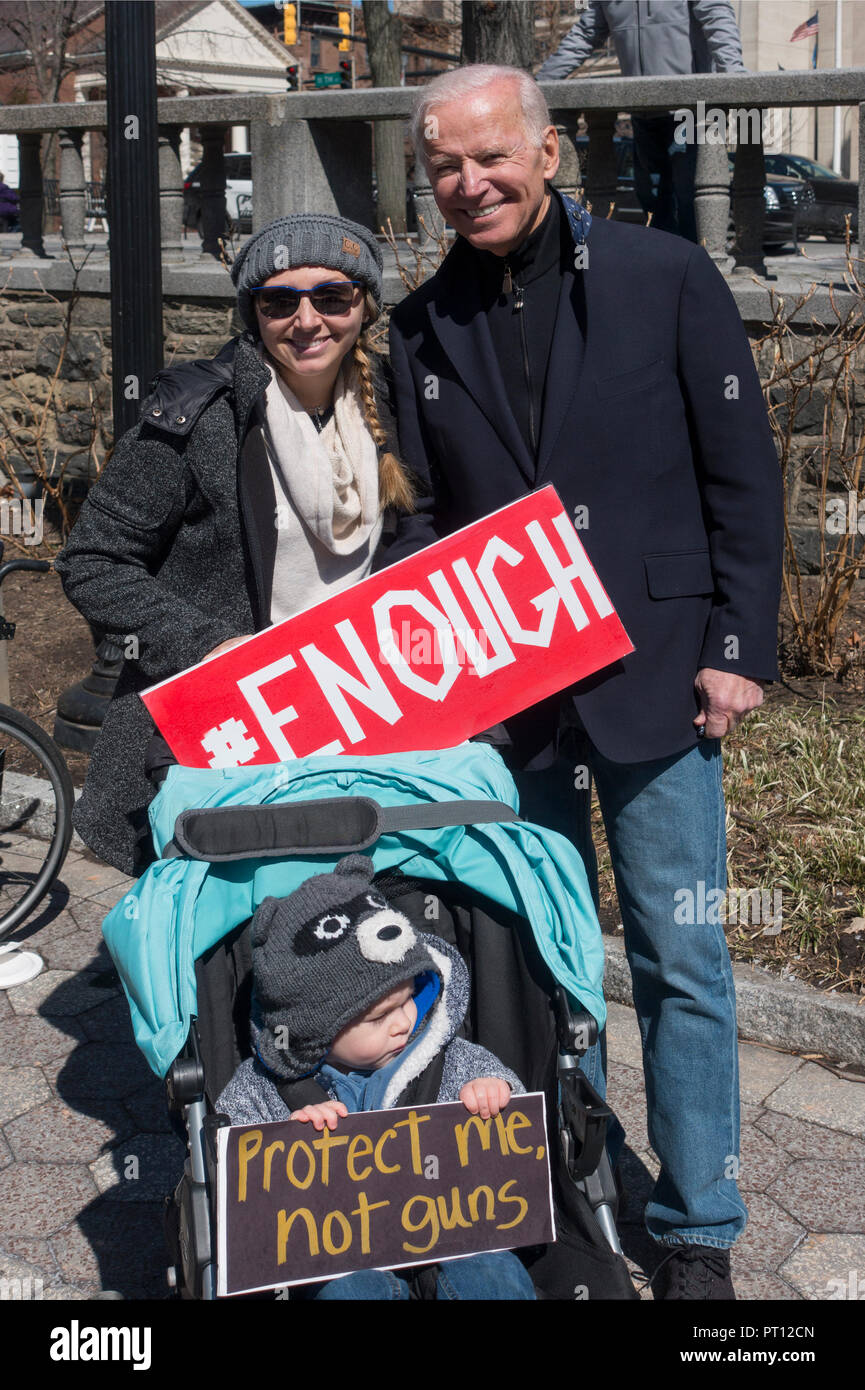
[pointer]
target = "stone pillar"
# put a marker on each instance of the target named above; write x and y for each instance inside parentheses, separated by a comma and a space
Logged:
(186, 160)
(432, 228)
(312, 166)
(170, 193)
(601, 172)
(72, 199)
(568, 175)
(30, 193)
(212, 190)
(749, 208)
(712, 195)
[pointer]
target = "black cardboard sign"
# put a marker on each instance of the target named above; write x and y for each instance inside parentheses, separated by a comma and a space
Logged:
(386, 1188)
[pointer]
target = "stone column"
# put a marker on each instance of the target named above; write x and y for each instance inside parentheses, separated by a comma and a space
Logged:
(712, 195)
(749, 208)
(212, 189)
(30, 193)
(601, 172)
(185, 142)
(568, 175)
(72, 197)
(312, 166)
(170, 193)
(433, 224)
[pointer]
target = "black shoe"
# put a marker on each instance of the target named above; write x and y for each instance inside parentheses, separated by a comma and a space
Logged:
(694, 1272)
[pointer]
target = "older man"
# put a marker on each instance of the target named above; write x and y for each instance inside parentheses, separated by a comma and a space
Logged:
(610, 361)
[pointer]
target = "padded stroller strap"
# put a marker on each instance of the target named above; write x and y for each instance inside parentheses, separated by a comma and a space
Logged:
(330, 825)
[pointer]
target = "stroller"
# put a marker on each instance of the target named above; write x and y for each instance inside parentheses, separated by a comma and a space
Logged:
(451, 852)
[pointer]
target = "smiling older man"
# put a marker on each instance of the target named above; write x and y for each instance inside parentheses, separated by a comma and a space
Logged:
(610, 361)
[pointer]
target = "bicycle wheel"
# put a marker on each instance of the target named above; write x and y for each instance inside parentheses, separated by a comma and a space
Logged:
(36, 800)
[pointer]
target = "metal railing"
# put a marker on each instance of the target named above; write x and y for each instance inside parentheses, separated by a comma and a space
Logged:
(313, 151)
(95, 199)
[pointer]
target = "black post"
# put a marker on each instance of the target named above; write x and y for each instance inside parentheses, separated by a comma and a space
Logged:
(137, 346)
(133, 205)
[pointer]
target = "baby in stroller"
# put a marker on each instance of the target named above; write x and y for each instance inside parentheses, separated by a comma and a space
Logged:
(351, 1009)
(450, 850)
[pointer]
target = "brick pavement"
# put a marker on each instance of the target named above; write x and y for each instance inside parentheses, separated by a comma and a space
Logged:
(86, 1151)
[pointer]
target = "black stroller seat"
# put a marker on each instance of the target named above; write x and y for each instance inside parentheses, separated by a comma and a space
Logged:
(515, 1011)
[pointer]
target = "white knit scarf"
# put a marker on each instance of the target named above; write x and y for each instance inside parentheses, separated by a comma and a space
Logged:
(327, 491)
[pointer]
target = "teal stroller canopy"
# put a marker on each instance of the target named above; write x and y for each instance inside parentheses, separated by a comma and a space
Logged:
(180, 907)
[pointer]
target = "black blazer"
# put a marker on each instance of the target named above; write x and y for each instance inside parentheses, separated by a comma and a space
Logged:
(655, 423)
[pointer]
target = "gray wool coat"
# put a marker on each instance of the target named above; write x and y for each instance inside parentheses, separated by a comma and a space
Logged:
(172, 554)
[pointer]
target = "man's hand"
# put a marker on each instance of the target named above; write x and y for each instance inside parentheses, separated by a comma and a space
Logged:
(486, 1096)
(725, 699)
(327, 1113)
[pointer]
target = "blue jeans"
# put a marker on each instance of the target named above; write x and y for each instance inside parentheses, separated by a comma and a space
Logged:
(665, 826)
(493, 1275)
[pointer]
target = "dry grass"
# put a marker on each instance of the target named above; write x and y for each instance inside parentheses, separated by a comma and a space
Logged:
(795, 789)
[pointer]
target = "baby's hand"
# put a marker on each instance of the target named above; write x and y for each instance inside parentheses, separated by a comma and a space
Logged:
(327, 1113)
(486, 1096)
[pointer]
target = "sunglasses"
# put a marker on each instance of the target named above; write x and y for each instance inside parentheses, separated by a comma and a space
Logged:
(329, 299)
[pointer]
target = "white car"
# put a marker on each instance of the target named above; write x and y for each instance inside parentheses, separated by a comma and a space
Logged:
(238, 194)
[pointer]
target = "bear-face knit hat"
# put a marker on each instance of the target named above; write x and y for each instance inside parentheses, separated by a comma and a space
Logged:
(323, 956)
(306, 238)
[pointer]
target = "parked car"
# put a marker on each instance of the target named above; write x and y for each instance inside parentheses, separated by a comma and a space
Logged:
(238, 194)
(786, 200)
(834, 196)
(783, 196)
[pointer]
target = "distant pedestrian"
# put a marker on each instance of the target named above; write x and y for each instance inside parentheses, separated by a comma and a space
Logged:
(8, 207)
(657, 40)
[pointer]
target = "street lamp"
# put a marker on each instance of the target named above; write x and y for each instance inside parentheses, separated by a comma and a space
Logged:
(137, 349)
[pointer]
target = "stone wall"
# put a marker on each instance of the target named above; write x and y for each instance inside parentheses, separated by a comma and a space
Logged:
(77, 427)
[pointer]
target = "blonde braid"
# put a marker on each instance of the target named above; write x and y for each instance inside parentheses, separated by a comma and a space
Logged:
(395, 489)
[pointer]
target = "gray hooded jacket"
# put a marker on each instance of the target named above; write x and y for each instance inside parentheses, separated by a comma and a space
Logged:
(652, 38)
(251, 1096)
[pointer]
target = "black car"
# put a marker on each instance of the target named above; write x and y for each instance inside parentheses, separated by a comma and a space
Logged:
(833, 196)
(784, 197)
(786, 200)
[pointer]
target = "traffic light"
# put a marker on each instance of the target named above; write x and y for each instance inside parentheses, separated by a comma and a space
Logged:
(289, 21)
(345, 73)
(344, 23)
(292, 77)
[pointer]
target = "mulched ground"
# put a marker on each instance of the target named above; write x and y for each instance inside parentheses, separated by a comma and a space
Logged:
(53, 649)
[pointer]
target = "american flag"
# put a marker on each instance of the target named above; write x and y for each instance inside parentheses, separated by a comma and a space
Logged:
(806, 30)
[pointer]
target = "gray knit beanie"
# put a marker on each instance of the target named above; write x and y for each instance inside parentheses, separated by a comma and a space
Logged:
(307, 238)
(321, 957)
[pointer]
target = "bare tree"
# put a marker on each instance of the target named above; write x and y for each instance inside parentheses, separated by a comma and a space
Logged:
(384, 37)
(42, 30)
(499, 31)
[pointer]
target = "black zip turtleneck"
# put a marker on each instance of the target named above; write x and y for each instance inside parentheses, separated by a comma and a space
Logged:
(522, 313)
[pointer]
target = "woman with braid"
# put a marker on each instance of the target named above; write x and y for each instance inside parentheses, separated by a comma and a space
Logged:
(255, 485)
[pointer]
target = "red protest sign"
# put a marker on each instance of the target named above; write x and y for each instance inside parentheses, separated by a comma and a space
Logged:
(422, 655)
